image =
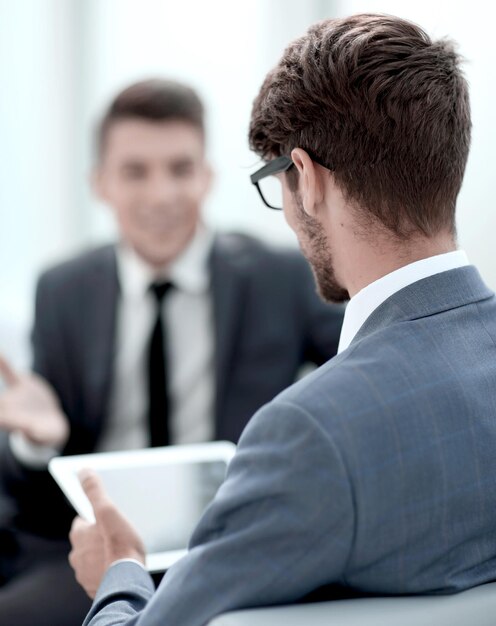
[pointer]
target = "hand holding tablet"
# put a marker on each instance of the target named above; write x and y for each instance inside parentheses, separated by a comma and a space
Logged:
(161, 491)
(96, 546)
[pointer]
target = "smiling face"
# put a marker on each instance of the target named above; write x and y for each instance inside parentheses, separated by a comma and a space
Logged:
(155, 178)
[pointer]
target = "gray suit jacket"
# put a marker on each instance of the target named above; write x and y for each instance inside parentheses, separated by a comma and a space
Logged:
(375, 474)
(268, 321)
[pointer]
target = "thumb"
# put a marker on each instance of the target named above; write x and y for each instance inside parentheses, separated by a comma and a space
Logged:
(10, 376)
(119, 536)
(95, 492)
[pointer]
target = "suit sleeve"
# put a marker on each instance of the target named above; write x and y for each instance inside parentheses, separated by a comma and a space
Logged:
(280, 527)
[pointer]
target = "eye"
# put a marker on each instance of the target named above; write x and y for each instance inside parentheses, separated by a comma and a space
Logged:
(182, 169)
(134, 171)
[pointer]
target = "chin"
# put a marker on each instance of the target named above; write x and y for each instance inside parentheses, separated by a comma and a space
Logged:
(333, 294)
(155, 257)
(162, 250)
(163, 259)
(328, 287)
(320, 259)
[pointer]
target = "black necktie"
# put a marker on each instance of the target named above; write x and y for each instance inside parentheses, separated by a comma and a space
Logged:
(159, 401)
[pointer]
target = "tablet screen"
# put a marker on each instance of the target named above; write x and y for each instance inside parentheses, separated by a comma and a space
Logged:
(162, 491)
(164, 502)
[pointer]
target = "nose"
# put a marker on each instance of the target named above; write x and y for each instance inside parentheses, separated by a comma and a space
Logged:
(162, 189)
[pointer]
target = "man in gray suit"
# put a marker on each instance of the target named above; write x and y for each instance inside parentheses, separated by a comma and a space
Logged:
(238, 318)
(377, 472)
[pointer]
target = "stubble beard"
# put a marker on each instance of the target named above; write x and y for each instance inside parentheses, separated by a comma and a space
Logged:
(315, 247)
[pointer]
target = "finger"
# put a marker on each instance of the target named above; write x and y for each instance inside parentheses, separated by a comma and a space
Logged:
(72, 558)
(78, 524)
(10, 376)
(13, 420)
(95, 491)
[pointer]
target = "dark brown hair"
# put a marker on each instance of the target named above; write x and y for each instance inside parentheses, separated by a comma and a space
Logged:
(373, 98)
(154, 100)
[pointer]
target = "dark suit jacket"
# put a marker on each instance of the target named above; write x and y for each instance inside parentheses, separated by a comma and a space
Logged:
(268, 322)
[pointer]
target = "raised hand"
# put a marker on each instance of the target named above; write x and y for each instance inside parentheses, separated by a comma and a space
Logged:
(30, 406)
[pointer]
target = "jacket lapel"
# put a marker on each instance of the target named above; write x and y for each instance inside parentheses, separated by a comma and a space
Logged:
(102, 291)
(228, 285)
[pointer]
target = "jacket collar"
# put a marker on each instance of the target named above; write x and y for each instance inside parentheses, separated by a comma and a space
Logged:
(429, 296)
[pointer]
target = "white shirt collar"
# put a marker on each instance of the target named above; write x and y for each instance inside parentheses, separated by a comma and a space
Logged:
(189, 271)
(370, 297)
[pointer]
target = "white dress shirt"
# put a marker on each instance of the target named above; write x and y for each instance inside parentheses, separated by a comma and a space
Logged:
(370, 297)
(187, 314)
(188, 319)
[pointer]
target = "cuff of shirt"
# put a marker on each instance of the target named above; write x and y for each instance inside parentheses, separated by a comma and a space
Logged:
(30, 454)
(128, 561)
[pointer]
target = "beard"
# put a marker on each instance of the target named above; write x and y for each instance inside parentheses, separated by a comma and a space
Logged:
(315, 247)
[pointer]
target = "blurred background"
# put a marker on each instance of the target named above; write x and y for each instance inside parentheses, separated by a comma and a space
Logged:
(62, 60)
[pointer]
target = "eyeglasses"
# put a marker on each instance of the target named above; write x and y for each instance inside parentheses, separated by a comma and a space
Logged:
(268, 185)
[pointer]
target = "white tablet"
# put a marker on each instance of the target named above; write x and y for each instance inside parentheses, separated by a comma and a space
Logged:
(162, 491)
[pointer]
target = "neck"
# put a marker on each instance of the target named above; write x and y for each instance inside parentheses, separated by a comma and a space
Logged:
(366, 263)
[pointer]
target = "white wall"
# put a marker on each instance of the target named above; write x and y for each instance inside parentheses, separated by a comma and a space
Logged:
(36, 170)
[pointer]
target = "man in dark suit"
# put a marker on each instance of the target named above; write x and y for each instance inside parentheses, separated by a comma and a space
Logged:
(375, 474)
(234, 318)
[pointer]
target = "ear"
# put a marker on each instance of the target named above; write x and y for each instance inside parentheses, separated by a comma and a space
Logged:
(310, 181)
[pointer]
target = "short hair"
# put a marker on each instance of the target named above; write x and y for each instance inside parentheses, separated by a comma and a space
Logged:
(153, 100)
(373, 98)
